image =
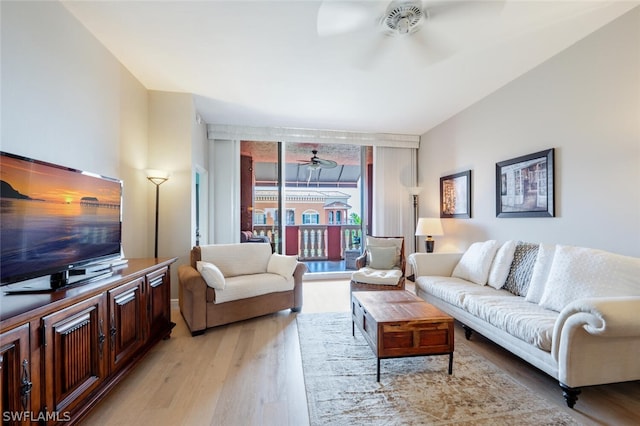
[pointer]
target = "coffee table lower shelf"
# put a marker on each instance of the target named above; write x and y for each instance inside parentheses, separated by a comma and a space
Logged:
(398, 324)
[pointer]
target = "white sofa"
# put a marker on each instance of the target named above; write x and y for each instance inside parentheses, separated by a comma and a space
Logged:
(572, 312)
(225, 283)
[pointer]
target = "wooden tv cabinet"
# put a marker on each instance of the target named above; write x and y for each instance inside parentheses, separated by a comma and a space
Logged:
(61, 351)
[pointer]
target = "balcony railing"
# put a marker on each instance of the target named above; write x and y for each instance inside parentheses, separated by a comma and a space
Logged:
(316, 242)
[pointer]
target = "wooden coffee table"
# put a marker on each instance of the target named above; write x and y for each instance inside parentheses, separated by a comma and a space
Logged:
(399, 324)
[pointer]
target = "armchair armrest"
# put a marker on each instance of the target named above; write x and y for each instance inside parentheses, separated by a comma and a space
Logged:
(192, 297)
(598, 316)
(298, 273)
(434, 264)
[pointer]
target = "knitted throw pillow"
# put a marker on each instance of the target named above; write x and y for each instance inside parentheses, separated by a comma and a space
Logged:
(524, 258)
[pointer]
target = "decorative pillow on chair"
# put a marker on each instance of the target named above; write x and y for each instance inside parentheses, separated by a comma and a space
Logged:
(282, 265)
(382, 257)
(384, 242)
(476, 261)
(211, 274)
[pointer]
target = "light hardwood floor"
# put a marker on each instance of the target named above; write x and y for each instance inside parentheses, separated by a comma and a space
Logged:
(250, 373)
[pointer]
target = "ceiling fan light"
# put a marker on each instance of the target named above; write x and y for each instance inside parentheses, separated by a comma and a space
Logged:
(403, 25)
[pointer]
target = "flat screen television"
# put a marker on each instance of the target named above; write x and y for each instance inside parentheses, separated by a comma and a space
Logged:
(56, 222)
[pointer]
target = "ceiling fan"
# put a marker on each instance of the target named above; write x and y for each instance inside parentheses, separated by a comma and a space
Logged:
(431, 29)
(316, 162)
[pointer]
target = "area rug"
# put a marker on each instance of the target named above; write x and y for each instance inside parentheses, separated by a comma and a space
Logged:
(340, 380)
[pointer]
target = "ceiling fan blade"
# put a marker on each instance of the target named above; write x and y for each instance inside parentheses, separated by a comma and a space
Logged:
(338, 17)
(326, 164)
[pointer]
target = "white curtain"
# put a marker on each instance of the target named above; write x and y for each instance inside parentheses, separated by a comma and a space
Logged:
(394, 171)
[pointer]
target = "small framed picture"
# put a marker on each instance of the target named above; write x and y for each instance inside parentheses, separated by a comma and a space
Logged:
(455, 195)
(524, 186)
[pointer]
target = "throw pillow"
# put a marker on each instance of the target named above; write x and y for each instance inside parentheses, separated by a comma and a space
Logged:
(384, 242)
(476, 261)
(282, 265)
(579, 272)
(501, 265)
(382, 257)
(211, 274)
(524, 257)
(540, 272)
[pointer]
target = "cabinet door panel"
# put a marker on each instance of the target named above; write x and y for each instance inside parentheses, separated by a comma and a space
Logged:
(159, 302)
(127, 321)
(74, 343)
(15, 375)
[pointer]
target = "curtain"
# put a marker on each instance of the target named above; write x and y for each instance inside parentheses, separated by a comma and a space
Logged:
(394, 172)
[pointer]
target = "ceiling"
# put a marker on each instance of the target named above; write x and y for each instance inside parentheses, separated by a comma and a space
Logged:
(263, 63)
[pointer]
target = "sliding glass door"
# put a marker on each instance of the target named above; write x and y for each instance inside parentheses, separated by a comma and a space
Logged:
(307, 198)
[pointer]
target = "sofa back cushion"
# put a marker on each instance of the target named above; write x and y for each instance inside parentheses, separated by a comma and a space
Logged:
(578, 272)
(476, 261)
(237, 259)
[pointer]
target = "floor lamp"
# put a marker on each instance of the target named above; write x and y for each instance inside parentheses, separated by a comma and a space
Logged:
(414, 191)
(157, 177)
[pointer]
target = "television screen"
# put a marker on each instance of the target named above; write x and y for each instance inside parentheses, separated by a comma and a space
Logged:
(54, 219)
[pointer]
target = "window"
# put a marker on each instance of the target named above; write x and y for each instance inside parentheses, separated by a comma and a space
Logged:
(310, 217)
(291, 217)
(259, 218)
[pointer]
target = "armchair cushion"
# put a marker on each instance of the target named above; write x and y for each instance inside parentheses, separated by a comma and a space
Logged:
(211, 274)
(377, 276)
(397, 243)
(383, 257)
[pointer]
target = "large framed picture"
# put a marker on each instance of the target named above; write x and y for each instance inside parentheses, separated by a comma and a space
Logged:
(455, 195)
(524, 186)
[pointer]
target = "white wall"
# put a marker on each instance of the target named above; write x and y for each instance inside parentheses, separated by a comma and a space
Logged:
(172, 123)
(67, 100)
(585, 102)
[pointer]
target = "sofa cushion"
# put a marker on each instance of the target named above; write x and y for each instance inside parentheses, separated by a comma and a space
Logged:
(527, 321)
(451, 289)
(237, 259)
(540, 272)
(382, 257)
(501, 264)
(521, 269)
(578, 273)
(377, 276)
(476, 261)
(211, 275)
(282, 265)
(245, 286)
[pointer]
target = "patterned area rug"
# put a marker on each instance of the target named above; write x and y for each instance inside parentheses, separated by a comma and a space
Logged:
(340, 379)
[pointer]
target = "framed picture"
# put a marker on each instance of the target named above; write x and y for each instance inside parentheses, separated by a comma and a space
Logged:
(455, 195)
(524, 186)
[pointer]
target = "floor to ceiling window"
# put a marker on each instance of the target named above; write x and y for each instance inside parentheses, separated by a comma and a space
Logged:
(307, 198)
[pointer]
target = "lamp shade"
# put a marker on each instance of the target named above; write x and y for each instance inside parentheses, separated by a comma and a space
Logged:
(429, 226)
(414, 190)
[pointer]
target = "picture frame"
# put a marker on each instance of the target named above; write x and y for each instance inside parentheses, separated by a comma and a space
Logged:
(455, 195)
(525, 186)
